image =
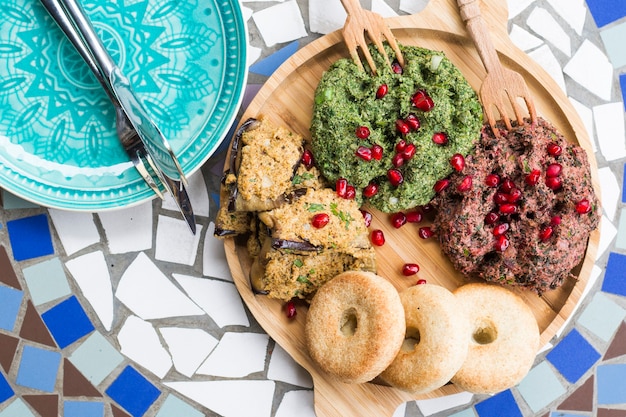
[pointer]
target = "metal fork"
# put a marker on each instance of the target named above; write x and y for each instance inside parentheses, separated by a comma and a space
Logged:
(360, 21)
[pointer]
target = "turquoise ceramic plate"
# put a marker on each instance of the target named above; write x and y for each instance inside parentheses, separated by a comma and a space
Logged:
(186, 60)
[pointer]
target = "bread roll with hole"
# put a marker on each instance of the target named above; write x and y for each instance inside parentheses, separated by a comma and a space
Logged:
(503, 339)
(435, 344)
(355, 326)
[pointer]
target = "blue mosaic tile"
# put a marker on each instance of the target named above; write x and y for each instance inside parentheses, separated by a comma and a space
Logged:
(268, 65)
(38, 368)
(606, 11)
(175, 407)
(602, 316)
(133, 392)
(83, 409)
(622, 85)
(10, 302)
(6, 391)
(562, 414)
(17, 409)
(573, 356)
(67, 322)
(12, 202)
(46, 281)
(611, 387)
(541, 386)
(30, 237)
(502, 404)
(96, 358)
(613, 39)
(615, 274)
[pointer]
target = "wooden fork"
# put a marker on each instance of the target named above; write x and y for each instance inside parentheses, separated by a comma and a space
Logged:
(360, 21)
(500, 82)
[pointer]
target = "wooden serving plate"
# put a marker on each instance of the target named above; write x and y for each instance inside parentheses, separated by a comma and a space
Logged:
(287, 99)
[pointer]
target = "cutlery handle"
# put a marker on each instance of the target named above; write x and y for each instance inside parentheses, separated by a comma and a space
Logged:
(470, 14)
(353, 7)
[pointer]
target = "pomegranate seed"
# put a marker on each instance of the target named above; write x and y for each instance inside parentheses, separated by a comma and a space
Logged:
(554, 183)
(377, 152)
(508, 208)
(398, 220)
(465, 185)
(554, 149)
(440, 138)
(370, 190)
(397, 160)
(409, 151)
(501, 244)
(382, 91)
(545, 233)
(364, 153)
(350, 192)
(500, 198)
(307, 158)
(507, 185)
(290, 309)
(414, 216)
(441, 185)
(514, 195)
(555, 220)
(402, 127)
(583, 206)
(320, 220)
(395, 177)
(400, 145)
(396, 67)
(378, 237)
(553, 170)
(420, 282)
(362, 132)
(458, 162)
(413, 121)
(500, 229)
(341, 186)
(367, 217)
(422, 101)
(492, 180)
(492, 217)
(425, 232)
(410, 269)
(427, 208)
(533, 177)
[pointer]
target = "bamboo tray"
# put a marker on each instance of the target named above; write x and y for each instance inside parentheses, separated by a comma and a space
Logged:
(287, 100)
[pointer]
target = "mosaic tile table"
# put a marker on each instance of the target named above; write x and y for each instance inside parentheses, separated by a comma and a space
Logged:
(125, 314)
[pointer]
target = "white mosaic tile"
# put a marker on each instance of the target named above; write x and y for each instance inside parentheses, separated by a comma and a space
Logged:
(586, 115)
(436, 405)
(517, 6)
(219, 299)
(574, 12)
(291, 25)
(412, 6)
(214, 257)
(284, 368)
(296, 403)
(76, 231)
(230, 398)
(253, 54)
(198, 195)
(188, 347)
(174, 241)
(613, 40)
(148, 293)
(400, 411)
(609, 124)
(523, 39)
(546, 26)
(610, 192)
(382, 8)
(546, 59)
(590, 68)
(129, 229)
(91, 273)
(607, 233)
(237, 355)
(140, 342)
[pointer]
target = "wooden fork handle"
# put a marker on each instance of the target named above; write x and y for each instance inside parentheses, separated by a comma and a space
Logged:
(353, 7)
(470, 14)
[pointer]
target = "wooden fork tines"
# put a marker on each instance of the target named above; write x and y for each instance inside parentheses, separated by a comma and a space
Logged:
(360, 21)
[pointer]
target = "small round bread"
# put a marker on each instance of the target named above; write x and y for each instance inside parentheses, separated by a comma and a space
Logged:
(435, 345)
(355, 326)
(504, 338)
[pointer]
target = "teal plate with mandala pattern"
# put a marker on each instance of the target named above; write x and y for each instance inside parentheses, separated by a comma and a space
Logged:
(186, 60)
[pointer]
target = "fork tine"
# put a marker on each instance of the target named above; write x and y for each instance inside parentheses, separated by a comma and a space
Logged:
(141, 168)
(366, 52)
(391, 40)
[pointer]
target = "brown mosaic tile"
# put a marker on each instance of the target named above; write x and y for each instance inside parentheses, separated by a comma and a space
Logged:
(45, 405)
(604, 412)
(75, 384)
(581, 399)
(7, 273)
(7, 352)
(118, 412)
(33, 327)
(618, 345)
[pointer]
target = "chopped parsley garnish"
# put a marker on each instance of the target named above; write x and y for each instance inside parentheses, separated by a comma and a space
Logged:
(343, 216)
(299, 179)
(313, 207)
(298, 263)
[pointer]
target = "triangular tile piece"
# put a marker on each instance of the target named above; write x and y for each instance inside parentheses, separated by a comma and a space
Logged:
(45, 405)
(618, 345)
(33, 327)
(75, 384)
(7, 273)
(7, 353)
(581, 399)
(117, 412)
